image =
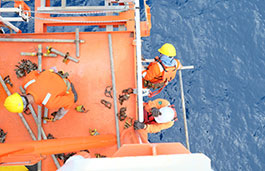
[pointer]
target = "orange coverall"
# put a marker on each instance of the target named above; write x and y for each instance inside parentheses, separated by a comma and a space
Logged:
(49, 89)
(157, 127)
(154, 71)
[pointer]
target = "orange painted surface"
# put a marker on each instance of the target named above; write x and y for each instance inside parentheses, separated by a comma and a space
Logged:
(151, 149)
(34, 150)
(90, 76)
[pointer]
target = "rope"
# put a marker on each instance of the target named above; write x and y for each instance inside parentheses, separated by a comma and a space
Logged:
(72, 21)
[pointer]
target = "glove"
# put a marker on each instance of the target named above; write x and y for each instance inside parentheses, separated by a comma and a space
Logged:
(60, 113)
(54, 114)
(155, 112)
(138, 125)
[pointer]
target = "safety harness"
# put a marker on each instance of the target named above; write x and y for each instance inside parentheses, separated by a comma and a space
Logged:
(150, 119)
(64, 76)
(168, 74)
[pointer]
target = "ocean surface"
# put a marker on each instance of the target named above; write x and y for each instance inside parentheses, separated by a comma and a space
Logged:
(225, 94)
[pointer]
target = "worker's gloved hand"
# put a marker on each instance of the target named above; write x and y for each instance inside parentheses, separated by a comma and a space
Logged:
(60, 113)
(155, 112)
(138, 125)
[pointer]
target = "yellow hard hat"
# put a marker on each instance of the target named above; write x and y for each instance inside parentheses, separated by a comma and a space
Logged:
(168, 49)
(14, 103)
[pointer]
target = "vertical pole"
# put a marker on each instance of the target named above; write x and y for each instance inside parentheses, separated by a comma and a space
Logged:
(39, 131)
(45, 114)
(108, 27)
(39, 57)
(43, 3)
(39, 106)
(114, 91)
(184, 110)
(139, 62)
(77, 41)
(39, 121)
(63, 3)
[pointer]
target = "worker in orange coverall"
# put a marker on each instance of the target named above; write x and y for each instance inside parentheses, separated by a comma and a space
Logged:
(49, 88)
(158, 115)
(163, 69)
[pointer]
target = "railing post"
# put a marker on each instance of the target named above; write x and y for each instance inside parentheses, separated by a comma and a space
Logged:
(139, 62)
(184, 110)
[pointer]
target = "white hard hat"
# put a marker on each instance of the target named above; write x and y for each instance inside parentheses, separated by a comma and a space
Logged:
(167, 115)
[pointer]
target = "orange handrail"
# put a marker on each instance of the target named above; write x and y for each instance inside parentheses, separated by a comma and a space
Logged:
(24, 152)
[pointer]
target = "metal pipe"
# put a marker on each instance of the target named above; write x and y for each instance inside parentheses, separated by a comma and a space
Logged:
(39, 57)
(62, 54)
(39, 121)
(184, 110)
(35, 54)
(13, 19)
(49, 55)
(63, 3)
(83, 8)
(138, 62)
(43, 3)
(39, 106)
(114, 91)
(77, 41)
(34, 115)
(10, 10)
(45, 114)
(108, 27)
(19, 114)
(39, 40)
(8, 24)
(27, 126)
(187, 67)
(39, 166)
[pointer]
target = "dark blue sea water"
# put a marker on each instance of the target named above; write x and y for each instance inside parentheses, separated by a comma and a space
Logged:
(225, 93)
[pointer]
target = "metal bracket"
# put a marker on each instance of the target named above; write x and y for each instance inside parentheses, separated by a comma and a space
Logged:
(106, 103)
(122, 114)
(125, 95)
(108, 90)
(8, 81)
(128, 123)
(93, 132)
(2, 136)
